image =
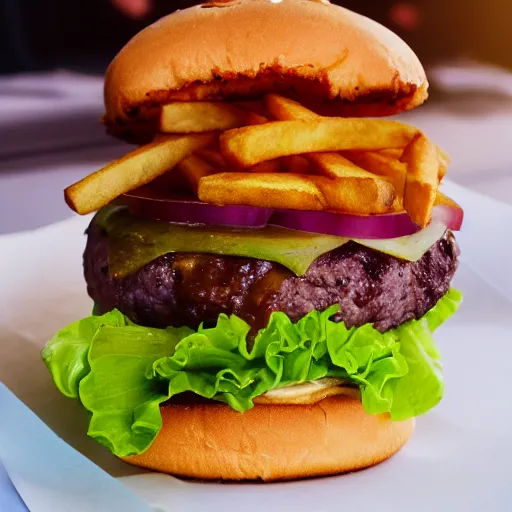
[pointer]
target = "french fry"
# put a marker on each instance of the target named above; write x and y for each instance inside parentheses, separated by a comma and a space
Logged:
(137, 168)
(444, 162)
(358, 193)
(381, 164)
(193, 168)
(213, 157)
(285, 109)
(386, 166)
(251, 145)
(253, 119)
(442, 171)
(256, 106)
(295, 164)
(444, 159)
(262, 189)
(333, 165)
(444, 200)
(358, 196)
(352, 189)
(201, 116)
(385, 163)
(421, 182)
(268, 166)
(391, 153)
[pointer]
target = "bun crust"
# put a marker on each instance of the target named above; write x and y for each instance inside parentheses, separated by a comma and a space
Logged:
(272, 442)
(245, 48)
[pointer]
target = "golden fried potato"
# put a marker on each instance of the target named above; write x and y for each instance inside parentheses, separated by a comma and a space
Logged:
(201, 116)
(396, 154)
(383, 165)
(422, 179)
(193, 168)
(333, 165)
(391, 153)
(213, 157)
(444, 200)
(330, 164)
(251, 145)
(295, 164)
(253, 119)
(356, 195)
(256, 106)
(444, 162)
(268, 166)
(137, 168)
(353, 189)
(262, 189)
(285, 109)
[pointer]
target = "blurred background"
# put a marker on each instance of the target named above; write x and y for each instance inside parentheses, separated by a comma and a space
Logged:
(53, 54)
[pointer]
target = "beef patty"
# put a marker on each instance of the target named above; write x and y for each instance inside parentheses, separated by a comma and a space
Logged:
(186, 289)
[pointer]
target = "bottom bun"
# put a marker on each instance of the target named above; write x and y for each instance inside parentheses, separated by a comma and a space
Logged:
(272, 442)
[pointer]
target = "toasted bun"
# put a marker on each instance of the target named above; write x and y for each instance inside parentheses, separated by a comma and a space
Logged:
(272, 442)
(308, 49)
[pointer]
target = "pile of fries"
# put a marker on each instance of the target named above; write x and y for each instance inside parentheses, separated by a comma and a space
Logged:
(276, 153)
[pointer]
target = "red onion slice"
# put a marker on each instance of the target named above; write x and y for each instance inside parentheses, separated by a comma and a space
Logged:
(150, 204)
(451, 216)
(349, 226)
(195, 212)
(393, 225)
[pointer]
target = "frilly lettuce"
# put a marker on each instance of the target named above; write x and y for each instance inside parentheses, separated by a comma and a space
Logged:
(122, 372)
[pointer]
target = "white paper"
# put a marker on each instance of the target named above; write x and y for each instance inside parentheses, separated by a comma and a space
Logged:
(458, 459)
(9, 498)
(48, 474)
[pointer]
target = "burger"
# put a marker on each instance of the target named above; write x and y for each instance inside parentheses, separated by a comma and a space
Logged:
(269, 262)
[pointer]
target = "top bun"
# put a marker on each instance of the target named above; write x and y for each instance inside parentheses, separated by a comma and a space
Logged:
(307, 49)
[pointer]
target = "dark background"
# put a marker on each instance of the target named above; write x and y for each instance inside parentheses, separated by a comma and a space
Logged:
(84, 35)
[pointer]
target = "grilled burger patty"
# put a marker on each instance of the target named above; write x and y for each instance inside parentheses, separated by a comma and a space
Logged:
(186, 289)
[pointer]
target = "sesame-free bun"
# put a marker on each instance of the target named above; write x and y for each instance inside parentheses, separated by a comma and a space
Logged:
(272, 442)
(308, 49)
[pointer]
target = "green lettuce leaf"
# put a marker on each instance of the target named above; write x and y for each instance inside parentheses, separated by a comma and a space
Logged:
(66, 353)
(423, 386)
(122, 372)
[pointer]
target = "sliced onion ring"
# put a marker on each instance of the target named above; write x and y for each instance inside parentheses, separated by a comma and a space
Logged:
(450, 215)
(195, 212)
(149, 204)
(393, 225)
(350, 226)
